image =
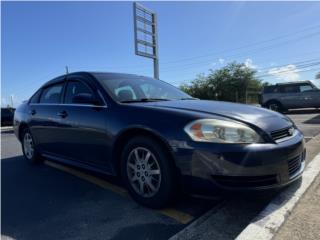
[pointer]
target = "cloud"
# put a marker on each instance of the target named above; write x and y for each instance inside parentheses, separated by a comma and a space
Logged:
(213, 64)
(221, 60)
(249, 63)
(285, 73)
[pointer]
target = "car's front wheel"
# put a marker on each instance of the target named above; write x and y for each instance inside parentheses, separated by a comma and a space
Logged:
(147, 172)
(28, 147)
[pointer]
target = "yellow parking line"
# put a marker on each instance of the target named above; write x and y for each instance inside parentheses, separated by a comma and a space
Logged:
(89, 178)
(181, 217)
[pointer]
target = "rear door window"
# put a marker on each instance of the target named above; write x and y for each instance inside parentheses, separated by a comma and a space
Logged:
(290, 89)
(52, 94)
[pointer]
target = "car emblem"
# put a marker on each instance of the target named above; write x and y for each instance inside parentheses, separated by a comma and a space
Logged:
(291, 131)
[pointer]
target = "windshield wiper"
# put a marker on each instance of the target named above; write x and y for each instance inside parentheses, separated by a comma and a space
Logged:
(189, 98)
(145, 100)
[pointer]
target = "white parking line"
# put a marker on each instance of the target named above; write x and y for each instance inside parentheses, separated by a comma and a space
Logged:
(268, 222)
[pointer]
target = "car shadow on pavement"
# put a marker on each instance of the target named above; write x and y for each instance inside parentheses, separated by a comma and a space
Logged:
(314, 120)
(39, 202)
(303, 111)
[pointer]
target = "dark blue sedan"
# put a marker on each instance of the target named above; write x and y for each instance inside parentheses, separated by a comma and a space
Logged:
(156, 137)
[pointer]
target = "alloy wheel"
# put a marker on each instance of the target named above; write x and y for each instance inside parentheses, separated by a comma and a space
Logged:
(143, 172)
(274, 107)
(28, 145)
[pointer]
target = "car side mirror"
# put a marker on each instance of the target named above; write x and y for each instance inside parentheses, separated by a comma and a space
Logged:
(85, 98)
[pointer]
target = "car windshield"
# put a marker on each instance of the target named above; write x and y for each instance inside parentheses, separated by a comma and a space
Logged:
(141, 89)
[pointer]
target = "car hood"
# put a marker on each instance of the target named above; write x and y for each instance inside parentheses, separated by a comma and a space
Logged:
(262, 118)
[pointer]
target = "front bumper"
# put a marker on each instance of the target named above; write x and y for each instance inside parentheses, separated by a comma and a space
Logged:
(204, 166)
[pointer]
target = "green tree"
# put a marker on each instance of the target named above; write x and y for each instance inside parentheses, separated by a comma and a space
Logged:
(230, 83)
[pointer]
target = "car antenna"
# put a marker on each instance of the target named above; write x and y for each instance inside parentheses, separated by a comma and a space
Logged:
(67, 72)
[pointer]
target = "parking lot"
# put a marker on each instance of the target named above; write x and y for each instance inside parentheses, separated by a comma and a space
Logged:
(53, 201)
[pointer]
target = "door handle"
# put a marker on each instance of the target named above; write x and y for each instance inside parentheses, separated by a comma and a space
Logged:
(62, 114)
(32, 112)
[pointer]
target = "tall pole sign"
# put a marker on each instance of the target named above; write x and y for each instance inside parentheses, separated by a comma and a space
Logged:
(145, 35)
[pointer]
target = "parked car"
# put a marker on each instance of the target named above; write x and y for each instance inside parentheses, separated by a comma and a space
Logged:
(7, 116)
(291, 95)
(158, 138)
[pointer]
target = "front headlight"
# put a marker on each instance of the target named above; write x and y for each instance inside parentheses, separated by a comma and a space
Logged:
(221, 131)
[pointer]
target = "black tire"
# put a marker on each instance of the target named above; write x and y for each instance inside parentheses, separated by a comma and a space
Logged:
(166, 188)
(35, 157)
(275, 106)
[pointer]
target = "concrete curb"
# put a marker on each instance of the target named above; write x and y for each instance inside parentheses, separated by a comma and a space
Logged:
(195, 224)
(269, 221)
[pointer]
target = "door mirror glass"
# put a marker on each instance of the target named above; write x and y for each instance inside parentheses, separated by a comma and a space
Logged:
(85, 98)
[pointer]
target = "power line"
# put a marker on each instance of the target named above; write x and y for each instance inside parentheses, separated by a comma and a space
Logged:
(258, 50)
(296, 70)
(301, 65)
(230, 50)
(252, 44)
(252, 51)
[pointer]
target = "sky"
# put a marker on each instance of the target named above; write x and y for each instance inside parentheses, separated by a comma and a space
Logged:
(280, 40)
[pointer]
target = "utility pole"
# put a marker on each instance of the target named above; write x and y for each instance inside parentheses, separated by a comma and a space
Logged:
(146, 35)
(11, 100)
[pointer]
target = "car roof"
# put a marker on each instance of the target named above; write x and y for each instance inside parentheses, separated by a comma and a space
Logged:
(289, 83)
(111, 75)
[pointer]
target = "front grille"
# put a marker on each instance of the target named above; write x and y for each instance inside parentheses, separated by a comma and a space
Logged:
(294, 165)
(246, 181)
(282, 133)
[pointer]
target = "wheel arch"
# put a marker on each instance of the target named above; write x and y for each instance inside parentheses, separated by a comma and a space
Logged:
(127, 134)
(273, 101)
(22, 127)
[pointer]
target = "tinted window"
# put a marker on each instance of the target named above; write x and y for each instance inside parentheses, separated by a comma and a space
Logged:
(52, 94)
(75, 88)
(35, 97)
(126, 89)
(270, 89)
(304, 88)
(290, 89)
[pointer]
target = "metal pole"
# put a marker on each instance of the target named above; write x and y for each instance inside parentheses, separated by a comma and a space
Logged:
(155, 42)
(156, 68)
(11, 98)
(135, 27)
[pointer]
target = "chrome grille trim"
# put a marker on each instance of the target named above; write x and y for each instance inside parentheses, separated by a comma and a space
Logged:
(282, 134)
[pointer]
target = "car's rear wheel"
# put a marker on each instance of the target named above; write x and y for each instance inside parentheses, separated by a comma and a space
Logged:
(147, 172)
(28, 147)
(275, 106)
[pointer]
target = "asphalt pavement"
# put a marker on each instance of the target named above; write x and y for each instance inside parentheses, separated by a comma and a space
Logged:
(53, 201)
